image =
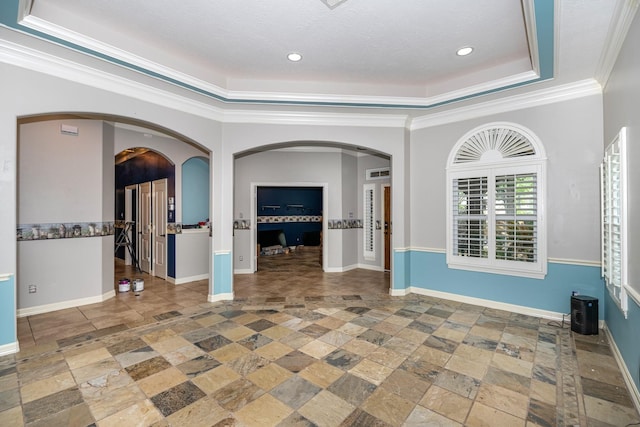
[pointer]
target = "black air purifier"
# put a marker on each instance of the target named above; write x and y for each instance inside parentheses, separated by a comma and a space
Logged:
(584, 315)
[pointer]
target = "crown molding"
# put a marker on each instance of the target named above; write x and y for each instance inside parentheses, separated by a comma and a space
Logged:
(87, 45)
(316, 119)
(111, 53)
(25, 57)
(381, 101)
(537, 98)
(32, 59)
(624, 14)
(36, 60)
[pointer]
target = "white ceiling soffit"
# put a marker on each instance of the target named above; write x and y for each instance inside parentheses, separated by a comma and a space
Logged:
(364, 53)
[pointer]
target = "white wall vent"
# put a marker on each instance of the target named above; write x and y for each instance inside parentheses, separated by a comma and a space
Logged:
(377, 173)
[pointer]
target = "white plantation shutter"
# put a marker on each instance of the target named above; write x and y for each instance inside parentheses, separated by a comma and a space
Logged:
(508, 142)
(470, 217)
(516, 211)
(369, 221)
(614, 219)
(495, 197)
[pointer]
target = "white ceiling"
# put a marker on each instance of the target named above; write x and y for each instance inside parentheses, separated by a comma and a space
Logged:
(360, 52)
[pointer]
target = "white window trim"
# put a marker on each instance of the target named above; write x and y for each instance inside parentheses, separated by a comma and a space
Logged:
(491, 168)
(617, 285)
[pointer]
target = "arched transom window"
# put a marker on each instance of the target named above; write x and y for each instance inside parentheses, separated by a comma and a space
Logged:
(495, 202)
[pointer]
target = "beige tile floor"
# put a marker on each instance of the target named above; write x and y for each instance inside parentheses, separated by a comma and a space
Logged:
(315, 349)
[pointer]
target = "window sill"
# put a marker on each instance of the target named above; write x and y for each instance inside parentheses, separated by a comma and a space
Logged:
(530, 274)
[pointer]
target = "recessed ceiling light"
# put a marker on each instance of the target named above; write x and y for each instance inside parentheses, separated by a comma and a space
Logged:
(294, 57)
(464, 51)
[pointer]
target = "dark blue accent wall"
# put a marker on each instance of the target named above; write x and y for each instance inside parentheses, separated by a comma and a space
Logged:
(146, 167)
(296, 233)
(171, 256)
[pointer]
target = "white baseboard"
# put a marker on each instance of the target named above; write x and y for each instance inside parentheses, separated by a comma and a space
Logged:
(371, 267)
(328, 270)
(220, 297)
(545, 314)
(10, 348)
(341, 269)
(46, 308)
(183, 280)
(398, 292)
(628, 379)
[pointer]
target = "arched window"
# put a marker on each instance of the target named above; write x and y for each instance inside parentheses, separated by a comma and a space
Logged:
(496, 201)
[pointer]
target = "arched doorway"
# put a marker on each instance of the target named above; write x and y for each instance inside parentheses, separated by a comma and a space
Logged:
(67, 206)
(340, 172)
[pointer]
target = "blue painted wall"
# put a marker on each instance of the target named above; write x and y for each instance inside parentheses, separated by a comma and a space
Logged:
(8, 312)
(222, 268)
(309, 197)
(429, 270)
(401, 270)
(195, 190)
(625, 334)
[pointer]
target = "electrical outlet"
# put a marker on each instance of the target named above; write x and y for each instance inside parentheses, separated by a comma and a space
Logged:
(241, 258)
(33, 289)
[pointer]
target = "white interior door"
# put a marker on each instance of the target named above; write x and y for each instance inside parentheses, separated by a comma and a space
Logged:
(159, 229)
(145, 227)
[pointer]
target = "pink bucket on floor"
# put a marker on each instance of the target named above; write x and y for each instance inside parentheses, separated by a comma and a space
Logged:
(124, 285)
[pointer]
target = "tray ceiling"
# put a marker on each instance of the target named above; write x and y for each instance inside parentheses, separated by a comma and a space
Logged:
(354, 53)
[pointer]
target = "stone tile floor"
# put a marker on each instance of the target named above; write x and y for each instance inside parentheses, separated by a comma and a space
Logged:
(332, 360)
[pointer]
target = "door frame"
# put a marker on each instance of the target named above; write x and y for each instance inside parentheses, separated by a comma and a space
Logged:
(254, 217)
(129, 201)
(386, 244)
